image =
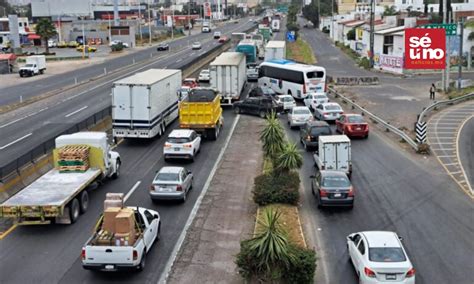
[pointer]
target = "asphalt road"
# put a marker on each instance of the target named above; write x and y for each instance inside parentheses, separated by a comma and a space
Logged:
(41, 122)
(466, 149)
(34, 88)
(394, 192)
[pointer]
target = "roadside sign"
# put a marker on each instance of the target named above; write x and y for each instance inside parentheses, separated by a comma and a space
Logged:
(451, 29)
(425, 48)
(290, 36)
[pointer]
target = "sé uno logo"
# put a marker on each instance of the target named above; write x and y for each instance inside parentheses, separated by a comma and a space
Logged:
(420, 48)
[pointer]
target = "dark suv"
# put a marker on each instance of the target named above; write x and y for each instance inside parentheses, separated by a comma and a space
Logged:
(262, 92)
(260, 106)
(310, 132)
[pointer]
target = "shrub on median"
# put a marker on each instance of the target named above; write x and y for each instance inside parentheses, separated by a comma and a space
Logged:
(277, 188)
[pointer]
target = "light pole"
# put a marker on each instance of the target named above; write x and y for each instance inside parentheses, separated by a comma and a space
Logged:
(149, 22)
(461, 39)
(140, 21)
(189, 18)
(319, 13)
(372, 11)
(83, 40)
(172, 21)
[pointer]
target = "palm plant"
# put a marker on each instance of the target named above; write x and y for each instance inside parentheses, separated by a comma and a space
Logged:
(270, 247)
(272, 137)
(289, 158)
(46, 30)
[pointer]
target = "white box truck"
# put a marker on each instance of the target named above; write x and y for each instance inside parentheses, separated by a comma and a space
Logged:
(275, 50)
(228, 76)
(334, 153)
(276, 25)
(59, 196)
(144, 104)
(35, 64)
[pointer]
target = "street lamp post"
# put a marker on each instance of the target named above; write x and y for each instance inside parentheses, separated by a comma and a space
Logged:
(189, 18)
(83, 41)
(372, 14)
(172, 21)
(140, 21)
(149, 22)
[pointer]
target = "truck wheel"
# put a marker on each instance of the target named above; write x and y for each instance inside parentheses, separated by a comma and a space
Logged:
(213, 133)
(84, 201)
(41, 71)
(74, 210)
(117, 171)
(142, 263)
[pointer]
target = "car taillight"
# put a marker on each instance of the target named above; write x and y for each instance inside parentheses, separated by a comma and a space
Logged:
(325, 113)
(83, 254)
(167, 145)
(135, 255)
(369, 272)
(179, 188)
(152, 187)
(410, 273)
(351, 192)
(187, 146)
(323, 193)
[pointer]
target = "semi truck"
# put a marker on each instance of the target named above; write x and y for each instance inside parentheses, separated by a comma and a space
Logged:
(334, 153)
(228, 76)
(249, 48)
(202, 112)
(60, 196)
(144, 104)
(275, 50)
(276, 25)
(35, 64)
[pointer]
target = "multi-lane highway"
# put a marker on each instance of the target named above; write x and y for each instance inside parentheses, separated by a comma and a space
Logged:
(26, 128)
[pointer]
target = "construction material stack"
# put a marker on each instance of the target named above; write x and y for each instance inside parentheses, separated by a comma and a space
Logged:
(73, 158)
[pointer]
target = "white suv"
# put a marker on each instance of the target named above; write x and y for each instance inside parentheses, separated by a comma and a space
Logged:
(182, 144)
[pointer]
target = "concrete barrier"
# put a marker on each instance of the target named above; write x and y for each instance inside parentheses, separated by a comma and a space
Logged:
(10, 185)
(351, 81)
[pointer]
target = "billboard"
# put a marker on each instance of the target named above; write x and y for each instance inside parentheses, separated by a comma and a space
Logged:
(425, 48)
(207, 9)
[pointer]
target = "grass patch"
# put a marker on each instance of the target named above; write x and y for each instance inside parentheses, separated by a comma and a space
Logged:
(300, 51)
(462, 92)
(267, 166)
(289, 221)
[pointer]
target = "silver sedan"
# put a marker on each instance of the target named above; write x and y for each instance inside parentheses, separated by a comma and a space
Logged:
(171, 183)
(328, 111)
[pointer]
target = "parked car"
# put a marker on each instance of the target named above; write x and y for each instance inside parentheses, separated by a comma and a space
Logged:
(328, 111)
(252, 72)
(204, 75)
(260, 106)
(217, 35)
(287, 101)
(190, 82)
(62, 44)
(196, 45)
(73, 44)
(52, 43)
(332, 188)
(353, 125)
(310, 132)
(313, 100)
(379, 257)
(163, 46)
(116, 42)
(222, 39)
(299, 115)
(262, 91)
(171, 183)
(182, 144)
(87, 47)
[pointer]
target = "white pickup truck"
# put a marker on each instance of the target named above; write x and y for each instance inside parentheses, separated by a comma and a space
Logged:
(132, 257)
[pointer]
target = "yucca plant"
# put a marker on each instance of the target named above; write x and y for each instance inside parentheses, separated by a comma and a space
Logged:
(289, 158)
(272, 137)
(270, 247)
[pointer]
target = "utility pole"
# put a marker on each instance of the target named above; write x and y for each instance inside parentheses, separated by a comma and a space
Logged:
(445, 7)
(319, 13)
(140, 21)
(332, 18)
(149, 22)
(189, 18)
(83, 40)
(461, 39)
(172, 21)
(372, 15)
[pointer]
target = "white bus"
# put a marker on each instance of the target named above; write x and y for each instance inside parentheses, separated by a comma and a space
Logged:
(291, 78)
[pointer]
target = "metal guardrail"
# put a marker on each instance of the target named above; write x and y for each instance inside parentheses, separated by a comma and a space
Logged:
(387, 125)
(425, 111)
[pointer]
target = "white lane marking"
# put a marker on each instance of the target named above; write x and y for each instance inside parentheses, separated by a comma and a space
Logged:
(131, 191)
(13, 121)
(442, 143)
(471, 190)
(447, 156)
(17, 140)
(455, 173)
(192, 53)
(182, 236)
(452, 164)
(179, 60)
(76, 111)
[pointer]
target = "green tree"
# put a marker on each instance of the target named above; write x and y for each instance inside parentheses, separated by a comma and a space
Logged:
(390, 11)
(289, 158)
(272, 137)
(46, 30)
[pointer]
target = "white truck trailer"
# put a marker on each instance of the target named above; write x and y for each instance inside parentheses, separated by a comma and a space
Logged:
(276, 25)
(58, 196)
(228, 76)
(35, 64)
(334, 153)
(275, 50)
(144, 104)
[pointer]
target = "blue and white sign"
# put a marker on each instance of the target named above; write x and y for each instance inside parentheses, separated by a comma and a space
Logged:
(291, 36)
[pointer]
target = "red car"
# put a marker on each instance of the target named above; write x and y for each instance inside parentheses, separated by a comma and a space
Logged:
(222, 39)
(190, 82)
(353, 125)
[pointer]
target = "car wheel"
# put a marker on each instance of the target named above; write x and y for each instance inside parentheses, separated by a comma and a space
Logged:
(237, 110)
(184, 197)
(262, 114)
(74, 210)
(312, 190)
(319, 203)
(117, 171)
(289, 123)
(84, 201)
(142, 263)
(366, 136)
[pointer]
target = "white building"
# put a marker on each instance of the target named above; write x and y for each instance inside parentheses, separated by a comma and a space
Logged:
(412, 5)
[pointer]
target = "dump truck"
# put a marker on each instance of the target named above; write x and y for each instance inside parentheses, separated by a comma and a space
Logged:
(61, 195)
(202, 111)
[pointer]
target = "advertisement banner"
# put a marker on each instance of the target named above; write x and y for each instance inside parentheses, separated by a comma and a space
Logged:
(425, 48)
(389, 63)
(207, 9)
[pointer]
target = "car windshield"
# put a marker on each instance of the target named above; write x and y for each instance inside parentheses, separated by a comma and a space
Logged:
(301, 111)
(29, 65)
(336, 181)
(316, 131)
(196, 43)
(205, 72)
(332, 107)
(386, 255)
(315, 74)
(167, 177)
(287, 99)
(355, 119)
(268, 91)
(320, 97)
(178, 140)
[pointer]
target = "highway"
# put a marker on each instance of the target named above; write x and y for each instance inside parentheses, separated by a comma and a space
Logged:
(23, 130)
(399, 192)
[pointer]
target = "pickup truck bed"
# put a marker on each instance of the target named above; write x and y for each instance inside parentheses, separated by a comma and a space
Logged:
(53, 188)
